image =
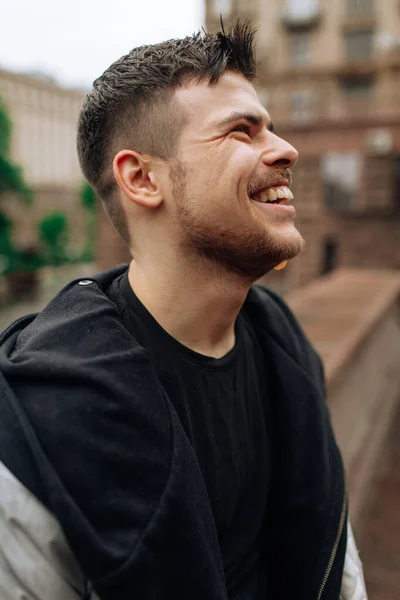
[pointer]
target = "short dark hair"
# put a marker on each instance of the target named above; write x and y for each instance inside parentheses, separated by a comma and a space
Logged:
(130, 104)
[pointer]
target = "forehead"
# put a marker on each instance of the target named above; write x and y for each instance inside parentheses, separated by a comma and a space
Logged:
(207, 105)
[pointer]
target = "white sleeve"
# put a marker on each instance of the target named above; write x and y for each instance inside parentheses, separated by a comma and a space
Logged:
(353, 583)
(36, 562)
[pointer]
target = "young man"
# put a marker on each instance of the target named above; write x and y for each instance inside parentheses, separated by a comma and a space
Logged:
(164, 431)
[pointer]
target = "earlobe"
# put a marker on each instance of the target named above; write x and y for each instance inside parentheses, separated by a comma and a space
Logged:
(132, 172)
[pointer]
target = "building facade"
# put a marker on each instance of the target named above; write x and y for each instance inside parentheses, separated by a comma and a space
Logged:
(330, 77)
(44, 119)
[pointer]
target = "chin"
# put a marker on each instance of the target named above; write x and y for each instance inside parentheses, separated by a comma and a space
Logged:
(247, 250)
(283, 244)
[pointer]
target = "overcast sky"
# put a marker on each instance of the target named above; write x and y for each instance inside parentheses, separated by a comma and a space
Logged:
(76, 40)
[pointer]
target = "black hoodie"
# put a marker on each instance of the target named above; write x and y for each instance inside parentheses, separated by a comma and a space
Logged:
(87, 428)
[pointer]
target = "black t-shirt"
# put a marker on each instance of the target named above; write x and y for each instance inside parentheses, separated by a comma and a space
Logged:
(223, 406)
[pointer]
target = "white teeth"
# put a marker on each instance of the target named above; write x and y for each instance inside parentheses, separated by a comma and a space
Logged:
(272, 195)
(288, 193)
(263, 196)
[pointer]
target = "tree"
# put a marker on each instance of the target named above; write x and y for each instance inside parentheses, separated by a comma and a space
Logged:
(11, 175)
(7, 251)
(54, 234)
(12, 181)
(89, 201)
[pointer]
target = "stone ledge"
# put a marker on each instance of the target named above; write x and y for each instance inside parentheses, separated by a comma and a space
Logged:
(340, 311)
(352, 318)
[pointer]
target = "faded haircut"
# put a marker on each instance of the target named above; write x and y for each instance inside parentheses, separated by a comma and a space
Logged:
(132, 105)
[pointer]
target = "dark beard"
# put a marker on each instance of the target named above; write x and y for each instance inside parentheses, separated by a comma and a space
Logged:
(249, 253)
(246, 256)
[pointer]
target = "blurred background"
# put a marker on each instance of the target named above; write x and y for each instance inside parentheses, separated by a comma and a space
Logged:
(330, 77)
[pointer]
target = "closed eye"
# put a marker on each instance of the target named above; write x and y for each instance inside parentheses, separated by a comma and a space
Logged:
(242, 129)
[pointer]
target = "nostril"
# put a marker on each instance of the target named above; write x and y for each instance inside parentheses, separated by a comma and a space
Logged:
(282, 162)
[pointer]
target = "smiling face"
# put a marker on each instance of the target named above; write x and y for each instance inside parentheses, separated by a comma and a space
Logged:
(230, 181)
(230, 164)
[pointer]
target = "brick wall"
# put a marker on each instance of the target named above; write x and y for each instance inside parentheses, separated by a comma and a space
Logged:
(368, 240)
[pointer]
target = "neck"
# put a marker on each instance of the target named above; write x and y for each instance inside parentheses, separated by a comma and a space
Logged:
(196, 307)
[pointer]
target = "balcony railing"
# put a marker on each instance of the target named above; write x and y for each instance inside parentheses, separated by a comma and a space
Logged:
(336, 108)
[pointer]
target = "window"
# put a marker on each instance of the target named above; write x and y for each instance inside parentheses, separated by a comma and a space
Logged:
(357, 89)
(222, 7)
(301, 9)
(341, 174)
(357, 98)
(358, 45)
(301, 106)
(358, 8)
(300, 53)
(329, 255)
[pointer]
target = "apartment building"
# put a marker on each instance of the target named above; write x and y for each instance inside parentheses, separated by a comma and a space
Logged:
(330, 77)
(44, 118)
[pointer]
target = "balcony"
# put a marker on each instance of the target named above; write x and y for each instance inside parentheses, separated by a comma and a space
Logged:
(301, 15)
(305, 110)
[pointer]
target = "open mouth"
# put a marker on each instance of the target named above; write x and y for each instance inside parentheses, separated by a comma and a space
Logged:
(273, 195)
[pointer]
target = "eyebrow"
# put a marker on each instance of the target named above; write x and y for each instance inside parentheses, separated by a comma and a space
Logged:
(253, 118)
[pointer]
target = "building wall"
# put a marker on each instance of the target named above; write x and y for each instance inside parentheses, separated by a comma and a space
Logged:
(111, 250)
(44, 119)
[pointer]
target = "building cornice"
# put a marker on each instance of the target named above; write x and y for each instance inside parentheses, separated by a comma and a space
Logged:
(40, 84)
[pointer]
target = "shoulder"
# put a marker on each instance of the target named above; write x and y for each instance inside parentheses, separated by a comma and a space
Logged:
(79, 319)
(78, 347)
(76, 378)
(86, 427)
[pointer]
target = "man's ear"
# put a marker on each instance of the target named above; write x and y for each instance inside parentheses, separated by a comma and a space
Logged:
(134, 176)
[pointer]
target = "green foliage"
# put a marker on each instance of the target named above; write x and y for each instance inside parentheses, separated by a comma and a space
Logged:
(53, 228)
(7, 251)
(5, 130)
(54, 234)
(88, 197)
(12, 259)
(89, 200)
(11, 176)
(5, 224)
(12, 180)
(53, 231)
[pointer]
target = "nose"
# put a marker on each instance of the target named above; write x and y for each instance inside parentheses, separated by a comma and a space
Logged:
(279, 153)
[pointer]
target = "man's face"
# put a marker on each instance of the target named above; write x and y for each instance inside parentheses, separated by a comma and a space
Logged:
(229, 161)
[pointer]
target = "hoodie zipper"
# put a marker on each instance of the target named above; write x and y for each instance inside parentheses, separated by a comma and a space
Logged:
(335, 546)
(88, 593)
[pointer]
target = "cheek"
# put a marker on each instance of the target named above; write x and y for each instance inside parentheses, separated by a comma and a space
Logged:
(221, 173)
(243, 165)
